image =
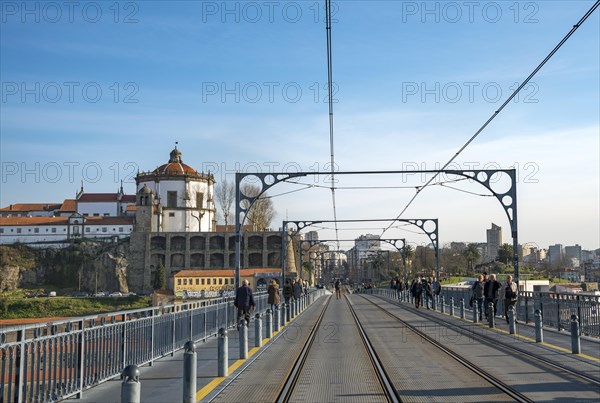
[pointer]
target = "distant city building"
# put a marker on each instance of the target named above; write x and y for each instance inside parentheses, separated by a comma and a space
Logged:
(574, 252)
(311, 236)
(494, 241)
(555, 253)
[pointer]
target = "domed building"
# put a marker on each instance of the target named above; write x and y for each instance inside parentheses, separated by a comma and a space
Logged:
(182, 197)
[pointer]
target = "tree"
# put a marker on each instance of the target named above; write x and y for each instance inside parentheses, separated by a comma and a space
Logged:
(409, 253)
(225, 194)
(471, 255)
(505, 254)
(261, 212)
(160, 278)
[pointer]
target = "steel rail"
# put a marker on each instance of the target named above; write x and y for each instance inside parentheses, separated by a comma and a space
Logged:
(390, 391)
(508, 348)
(288, 387)
(508, 390)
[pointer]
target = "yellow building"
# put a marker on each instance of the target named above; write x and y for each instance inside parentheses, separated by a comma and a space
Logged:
(215, 283)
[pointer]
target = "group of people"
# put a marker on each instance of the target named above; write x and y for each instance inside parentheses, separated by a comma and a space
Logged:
(431, 287)
(244, 299)
(488, 289)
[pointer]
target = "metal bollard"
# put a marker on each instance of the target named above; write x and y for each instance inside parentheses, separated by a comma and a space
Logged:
(276, 317)
(462, 308)
(189, 372)
(451, 306)
(269, 323)
(222, 353)
(243, 339)
(539, 333)
(433, 302)
(288, 313)
(491, 318)
(475, 312)
(130, 387)
(511, 320)
(258, 330)
(575, 339)
(442, 304)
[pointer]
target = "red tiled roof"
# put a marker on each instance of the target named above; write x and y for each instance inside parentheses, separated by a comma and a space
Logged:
(128, 199)
(225, 273)
(97, 197)
(69, 205)
(24, 207)
(175, 168)
(10, 221)
(131, 207)
(108, 220)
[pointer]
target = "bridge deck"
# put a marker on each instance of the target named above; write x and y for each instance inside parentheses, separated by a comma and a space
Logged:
(338, 369)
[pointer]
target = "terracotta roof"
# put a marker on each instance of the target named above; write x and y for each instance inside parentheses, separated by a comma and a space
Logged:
(97, 197)
(128, 199)
(131, 207)
(12, 221)
(69, 205)
(175, 168)
(225, 273)
(24, 207)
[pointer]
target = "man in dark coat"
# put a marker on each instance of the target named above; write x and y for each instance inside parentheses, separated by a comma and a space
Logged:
(244, 302)
(490, 291)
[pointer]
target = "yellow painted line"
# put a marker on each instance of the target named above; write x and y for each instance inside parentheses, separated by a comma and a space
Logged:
(209, 387)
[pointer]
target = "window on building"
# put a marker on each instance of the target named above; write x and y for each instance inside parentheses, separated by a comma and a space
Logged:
(36, 230)
(104, 229)
(220, 281)
(172, 198)
(76, 222)
(199, 200)
(1, 230)
(96, 214)
(226, 281)
(87, 229)
(120, 229)
(85, 214)
(54, 230)
(28, 229)
(171, 214)
(106, 214)
(185, 281)
(18, 230)
(178, 281)
(202, 282)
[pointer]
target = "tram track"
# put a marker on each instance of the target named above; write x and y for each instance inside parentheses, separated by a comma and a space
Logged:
(499, 384)
(389, 393)
(496, 344)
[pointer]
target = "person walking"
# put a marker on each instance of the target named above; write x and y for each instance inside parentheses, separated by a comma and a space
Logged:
(338, 292)
(273, 297)
(428, 292)
(510, 293)
(244, 302)
(288, 291)
(490, 291)
(477, 290)
(399, 288)
(298, 290)
(417, 291)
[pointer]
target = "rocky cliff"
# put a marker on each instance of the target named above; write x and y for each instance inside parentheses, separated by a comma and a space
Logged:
(89, 266)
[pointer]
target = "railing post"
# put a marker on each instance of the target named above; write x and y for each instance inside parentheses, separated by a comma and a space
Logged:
(276, 317)
(462, 308)
(539, 333)
(575, 339)
(258, 330)
(288, 312)
(81, 358)
(222, 353)
(269, 323)
(475, 312)
(131, 386)
(243, 335)
(451, 306)
(491, 318)
(511, 320)
(442, 304)
(189, 372)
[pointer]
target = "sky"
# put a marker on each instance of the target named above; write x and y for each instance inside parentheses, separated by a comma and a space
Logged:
(97, 91)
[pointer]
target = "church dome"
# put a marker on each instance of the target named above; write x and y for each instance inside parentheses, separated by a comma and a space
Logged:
(175, 166)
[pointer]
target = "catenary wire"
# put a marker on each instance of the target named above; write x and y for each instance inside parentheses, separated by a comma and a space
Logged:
(497, 112)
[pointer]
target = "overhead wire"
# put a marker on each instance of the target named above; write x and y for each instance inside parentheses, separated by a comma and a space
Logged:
(497, 112)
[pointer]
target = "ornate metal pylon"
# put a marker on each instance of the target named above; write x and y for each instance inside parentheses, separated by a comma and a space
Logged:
(507, 198)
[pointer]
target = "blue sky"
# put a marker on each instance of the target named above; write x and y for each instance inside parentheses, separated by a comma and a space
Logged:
(104, 89)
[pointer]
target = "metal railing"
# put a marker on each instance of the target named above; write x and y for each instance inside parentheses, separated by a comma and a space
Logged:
(51, 362)
(556, 308)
